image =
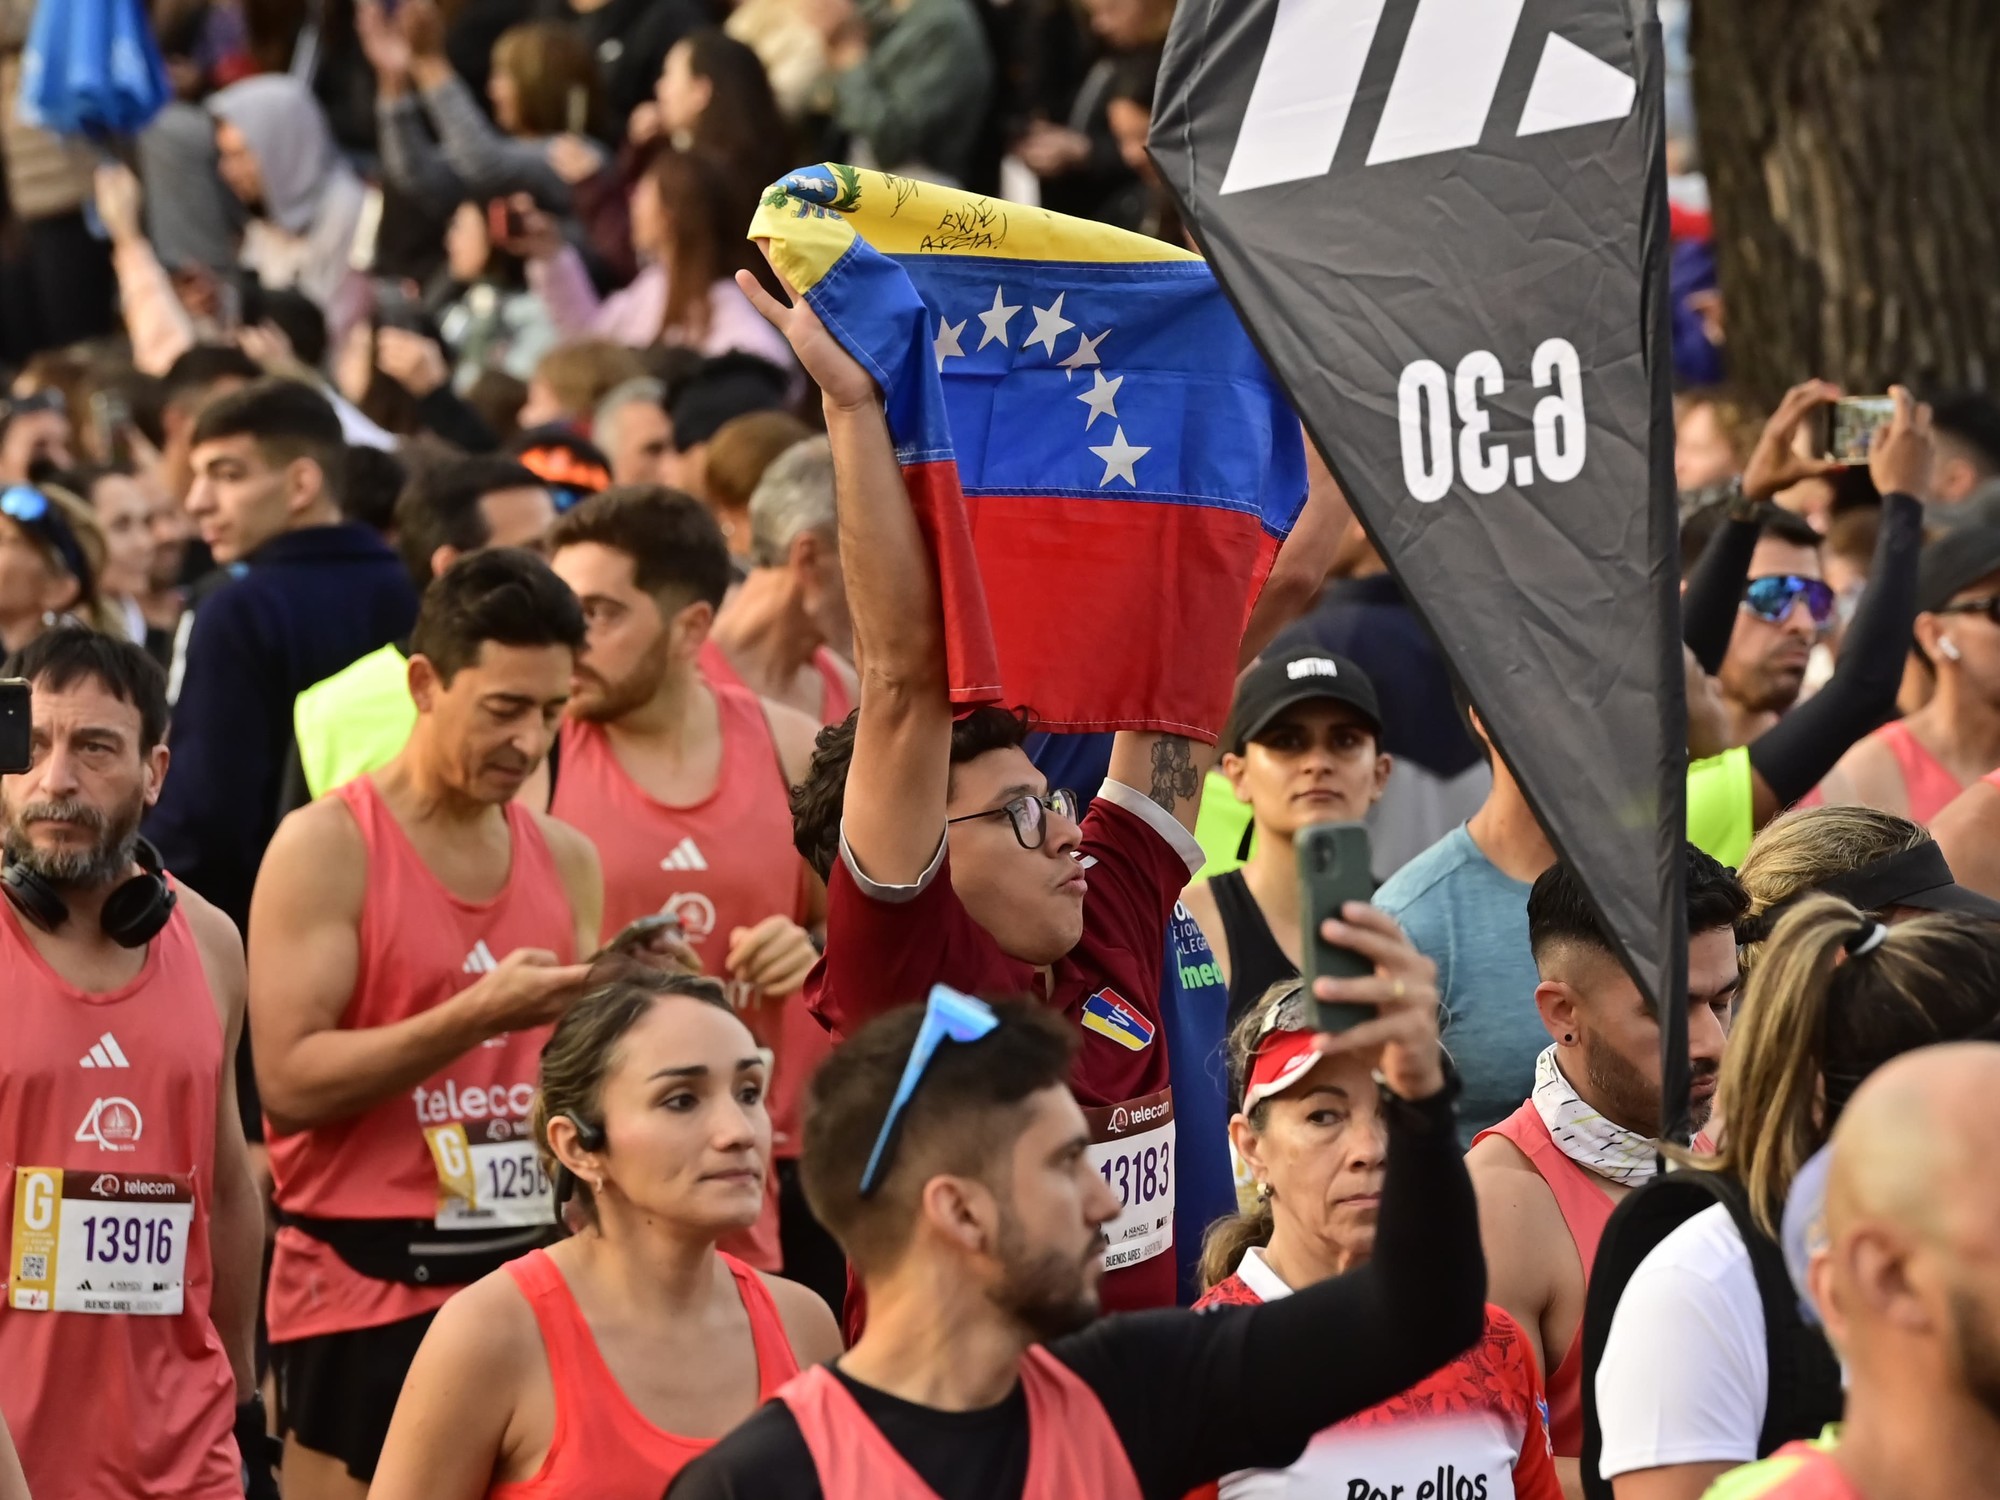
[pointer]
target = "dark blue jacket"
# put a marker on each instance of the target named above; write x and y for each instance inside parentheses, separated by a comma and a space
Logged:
(308, 603)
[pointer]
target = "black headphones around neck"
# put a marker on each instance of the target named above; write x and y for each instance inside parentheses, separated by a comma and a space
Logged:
(133, 913)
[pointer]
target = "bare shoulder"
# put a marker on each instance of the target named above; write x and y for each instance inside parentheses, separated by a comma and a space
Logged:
(793, 734)
(1867, 776)
(488, 1326)
(1514, 1200)
(321, 845)
(810, 1326)
(572, 849)
(215, 934)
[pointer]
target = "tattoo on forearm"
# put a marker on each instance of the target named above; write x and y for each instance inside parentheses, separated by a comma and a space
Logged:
(1174, 776)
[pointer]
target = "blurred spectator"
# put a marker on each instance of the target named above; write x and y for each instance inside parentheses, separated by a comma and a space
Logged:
(631, 39)
(572, 467)
(483, 306)
(543, 82)
(374, 480)
(909, 80)
(124, 517)
(1966, 427)
(713, 97)
(632, 428)
(196, 377)
(45, 573)
(1083, 166)
(689, 248)
(55, 286)
(733, 462)
(728, 386)
(572, 378)
(276, 154)
(1713, 436)
(790, 46)
(497, 397)
(1765, 667)
(34, 436)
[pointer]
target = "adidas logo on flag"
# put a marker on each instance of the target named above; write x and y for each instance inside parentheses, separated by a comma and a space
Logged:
(105, 1053)
(480, 960)
(685, 856)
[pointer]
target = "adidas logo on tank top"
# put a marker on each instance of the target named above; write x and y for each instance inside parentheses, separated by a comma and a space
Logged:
(480, 960)
(104, 1053)
(685, 856)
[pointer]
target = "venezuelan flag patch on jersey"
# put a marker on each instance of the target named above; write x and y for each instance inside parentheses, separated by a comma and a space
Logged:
(1109, 1014)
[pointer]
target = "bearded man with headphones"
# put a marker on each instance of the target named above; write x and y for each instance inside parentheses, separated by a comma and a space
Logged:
(136, 1234)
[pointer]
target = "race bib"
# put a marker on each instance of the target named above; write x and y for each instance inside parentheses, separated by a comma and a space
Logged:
(1132, 1146)
(99, 1242)
(488, 1185)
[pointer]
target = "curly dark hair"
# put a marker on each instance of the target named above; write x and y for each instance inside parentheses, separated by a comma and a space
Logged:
(817, 801)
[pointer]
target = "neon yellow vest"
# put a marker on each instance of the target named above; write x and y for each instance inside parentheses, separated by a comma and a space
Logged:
(355, 721)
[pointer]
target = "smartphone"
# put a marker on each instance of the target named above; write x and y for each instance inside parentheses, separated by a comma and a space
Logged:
(577, 109)
(111, 416)
(636, 935)
(14, 718)
(395, 307)
(1334, 868)
(1849, 426)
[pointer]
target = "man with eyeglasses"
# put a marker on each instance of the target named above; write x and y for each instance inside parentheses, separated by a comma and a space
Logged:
(1916, 767)
(950, 859)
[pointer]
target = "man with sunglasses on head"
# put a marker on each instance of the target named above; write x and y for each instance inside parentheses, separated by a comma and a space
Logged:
(948, 1153)
(1779, 608)
(1916, 767)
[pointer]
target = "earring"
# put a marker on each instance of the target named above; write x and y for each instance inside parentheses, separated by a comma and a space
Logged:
(1568, 1038)
(1263, 1192)
(596, 1187)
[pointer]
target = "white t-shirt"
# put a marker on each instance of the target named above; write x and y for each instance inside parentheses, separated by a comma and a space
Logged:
(1685, 1375)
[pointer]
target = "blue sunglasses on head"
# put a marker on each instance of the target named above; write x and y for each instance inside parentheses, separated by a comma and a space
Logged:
(20, 503)
(948, 1017)
(1771, 599)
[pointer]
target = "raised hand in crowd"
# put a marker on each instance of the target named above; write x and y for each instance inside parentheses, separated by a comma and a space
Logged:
(1776, 464)
(1899, 460)
(119, 200)
(576, 159)
(384, 43)
(531, 233)
(775, 956)
(413, 360)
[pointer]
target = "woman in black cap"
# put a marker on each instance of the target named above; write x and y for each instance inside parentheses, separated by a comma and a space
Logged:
(1302, 746)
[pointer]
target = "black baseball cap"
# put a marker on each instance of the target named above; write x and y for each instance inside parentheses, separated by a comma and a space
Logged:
(1281, 679)
(1954, 562)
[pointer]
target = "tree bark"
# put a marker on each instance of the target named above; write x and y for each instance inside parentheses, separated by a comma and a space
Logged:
(1853, 156)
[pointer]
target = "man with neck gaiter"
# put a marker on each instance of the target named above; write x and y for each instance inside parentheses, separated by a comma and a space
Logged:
(1549, 1175)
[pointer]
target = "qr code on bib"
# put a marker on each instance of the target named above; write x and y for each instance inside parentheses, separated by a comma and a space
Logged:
(34, 1268)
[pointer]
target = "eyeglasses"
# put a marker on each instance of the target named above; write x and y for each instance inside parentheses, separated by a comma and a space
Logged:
(1989, 607)
(1029, 815)
(1771, 599)
(948, 1017)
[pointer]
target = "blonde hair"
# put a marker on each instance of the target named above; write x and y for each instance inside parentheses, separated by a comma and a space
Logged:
(1800, 850)
(547, 60)
(1833, 998)
(1227, 1238)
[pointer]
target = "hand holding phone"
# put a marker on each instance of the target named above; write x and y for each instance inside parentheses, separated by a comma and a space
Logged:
(16, 700)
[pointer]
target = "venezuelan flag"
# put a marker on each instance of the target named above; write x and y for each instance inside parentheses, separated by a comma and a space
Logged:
(1100, 461)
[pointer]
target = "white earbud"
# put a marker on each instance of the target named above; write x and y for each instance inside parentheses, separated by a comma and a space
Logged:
(1949, 647)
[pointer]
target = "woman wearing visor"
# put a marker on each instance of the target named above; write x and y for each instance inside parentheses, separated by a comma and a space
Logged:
(1312, 1135)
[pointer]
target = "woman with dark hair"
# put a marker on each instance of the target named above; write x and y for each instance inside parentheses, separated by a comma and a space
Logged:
(684, 229)
(1311, 1135)
(713, 96)
(606, 1363)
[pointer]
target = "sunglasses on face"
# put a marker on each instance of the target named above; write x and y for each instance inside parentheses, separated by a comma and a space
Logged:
(1029, 815)
(1989, 607)
(1771, 599)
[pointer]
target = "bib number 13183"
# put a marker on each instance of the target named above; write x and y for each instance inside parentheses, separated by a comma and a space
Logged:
(1132, 1147)
(99, 1242)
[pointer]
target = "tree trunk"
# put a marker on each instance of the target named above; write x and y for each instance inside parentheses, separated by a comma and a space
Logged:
(1853, 155)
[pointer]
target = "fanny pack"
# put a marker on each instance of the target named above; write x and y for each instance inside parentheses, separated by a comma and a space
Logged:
(415, 1252)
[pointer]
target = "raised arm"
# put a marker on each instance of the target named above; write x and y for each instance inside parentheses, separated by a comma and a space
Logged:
(305, 961)
(894, 815)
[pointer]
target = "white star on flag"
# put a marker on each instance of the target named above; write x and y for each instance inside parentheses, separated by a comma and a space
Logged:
(1086, 352)
(996, 319)
(1049, 325)
(1101, 396)
(1119, 456)
(945, 345)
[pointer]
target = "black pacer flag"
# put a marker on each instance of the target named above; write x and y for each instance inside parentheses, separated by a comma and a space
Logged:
(1444, 222)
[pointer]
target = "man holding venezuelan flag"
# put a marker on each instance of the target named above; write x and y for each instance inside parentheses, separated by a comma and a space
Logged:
(1063, 479)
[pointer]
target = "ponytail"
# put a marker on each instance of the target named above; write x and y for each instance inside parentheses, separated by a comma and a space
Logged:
(1223, 1246)
(1833, 996)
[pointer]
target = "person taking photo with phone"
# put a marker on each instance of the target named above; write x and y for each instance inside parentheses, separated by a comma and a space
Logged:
(1302, 747)
(947, 1154)
(1312, 1131)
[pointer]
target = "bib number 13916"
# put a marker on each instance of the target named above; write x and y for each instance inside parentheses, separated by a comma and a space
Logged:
(99, 1242)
